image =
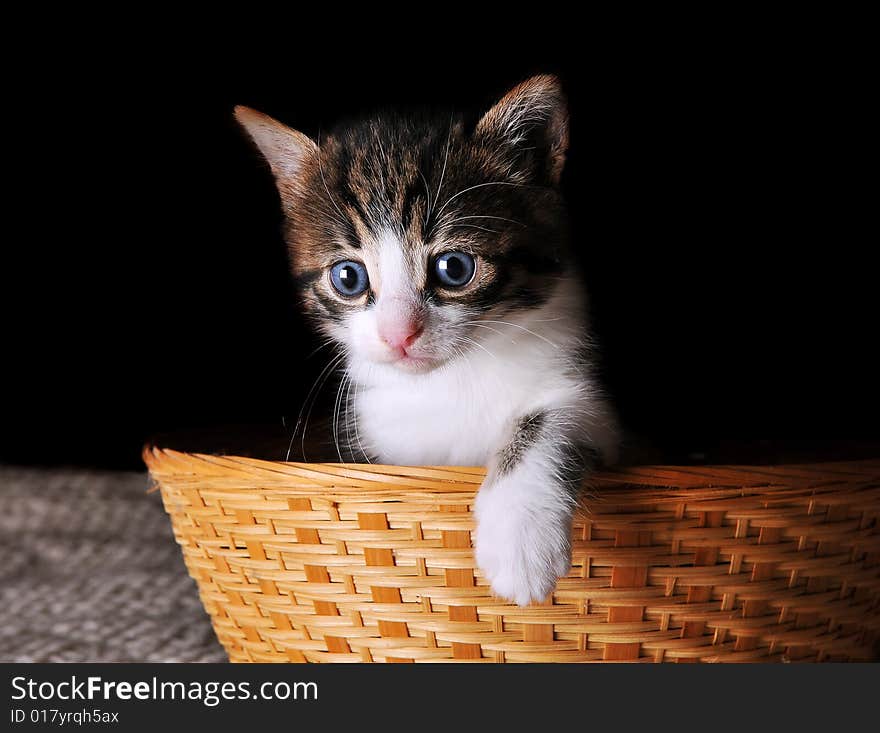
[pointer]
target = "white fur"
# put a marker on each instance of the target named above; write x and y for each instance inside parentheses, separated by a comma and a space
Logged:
(464, 412)
(523, 529)
(461, 412)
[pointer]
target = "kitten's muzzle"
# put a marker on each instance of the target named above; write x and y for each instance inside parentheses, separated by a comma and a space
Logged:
(401, 338)
(399, 325)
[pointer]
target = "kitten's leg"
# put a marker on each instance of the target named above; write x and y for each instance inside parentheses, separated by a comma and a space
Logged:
(524, 507)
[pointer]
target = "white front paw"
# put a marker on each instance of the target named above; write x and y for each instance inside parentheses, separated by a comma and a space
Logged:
(523, 540)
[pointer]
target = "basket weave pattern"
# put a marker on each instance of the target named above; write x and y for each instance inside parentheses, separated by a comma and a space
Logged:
(362, 563)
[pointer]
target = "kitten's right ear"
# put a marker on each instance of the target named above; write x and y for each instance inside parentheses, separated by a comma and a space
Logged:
(284, 149)
(531, 118)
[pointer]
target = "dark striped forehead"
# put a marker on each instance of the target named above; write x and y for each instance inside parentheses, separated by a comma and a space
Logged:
(434, 182)
(385, 172)
(426, 186)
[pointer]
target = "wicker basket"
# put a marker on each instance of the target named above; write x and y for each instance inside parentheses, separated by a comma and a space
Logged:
(363, 563)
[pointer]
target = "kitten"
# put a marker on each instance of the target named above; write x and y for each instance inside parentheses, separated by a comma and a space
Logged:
(436, 255)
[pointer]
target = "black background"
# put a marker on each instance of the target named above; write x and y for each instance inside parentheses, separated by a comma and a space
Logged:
(721, 198)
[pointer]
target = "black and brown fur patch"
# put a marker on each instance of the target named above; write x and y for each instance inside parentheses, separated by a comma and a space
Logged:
(488, 187)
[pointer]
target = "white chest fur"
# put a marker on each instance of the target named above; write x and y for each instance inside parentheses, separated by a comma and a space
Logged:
(461, 413)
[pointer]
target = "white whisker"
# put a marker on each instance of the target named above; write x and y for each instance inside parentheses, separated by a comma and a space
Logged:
(494, 330)
(337, 405)
(472, 226)
(487, 216)
(523, 328)
(357, 432)
(327, 190)
(318, 384)
(445, 158)
(324, 345)
(428, 194)
(471, 188)
(479, 345)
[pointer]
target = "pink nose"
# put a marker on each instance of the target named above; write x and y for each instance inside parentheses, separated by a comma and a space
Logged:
(401, 334)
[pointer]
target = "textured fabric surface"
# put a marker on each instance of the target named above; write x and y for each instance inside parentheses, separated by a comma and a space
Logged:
(90, 572)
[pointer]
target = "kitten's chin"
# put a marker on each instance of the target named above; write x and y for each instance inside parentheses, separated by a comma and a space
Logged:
(410, 364)
(415, 364)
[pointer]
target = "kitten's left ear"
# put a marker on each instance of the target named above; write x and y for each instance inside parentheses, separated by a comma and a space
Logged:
(531, 116)
(284, 149)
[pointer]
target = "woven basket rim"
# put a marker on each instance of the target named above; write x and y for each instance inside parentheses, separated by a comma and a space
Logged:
(380, 478)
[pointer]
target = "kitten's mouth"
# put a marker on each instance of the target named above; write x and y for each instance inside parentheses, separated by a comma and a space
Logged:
(413, 363)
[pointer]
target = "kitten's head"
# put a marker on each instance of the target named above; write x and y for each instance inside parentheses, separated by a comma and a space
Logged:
(406, 231)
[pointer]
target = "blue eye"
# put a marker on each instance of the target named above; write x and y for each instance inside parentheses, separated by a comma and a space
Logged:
(349, 278)
(454, 269)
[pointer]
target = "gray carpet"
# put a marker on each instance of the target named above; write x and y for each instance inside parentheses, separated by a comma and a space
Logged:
(90, 572)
